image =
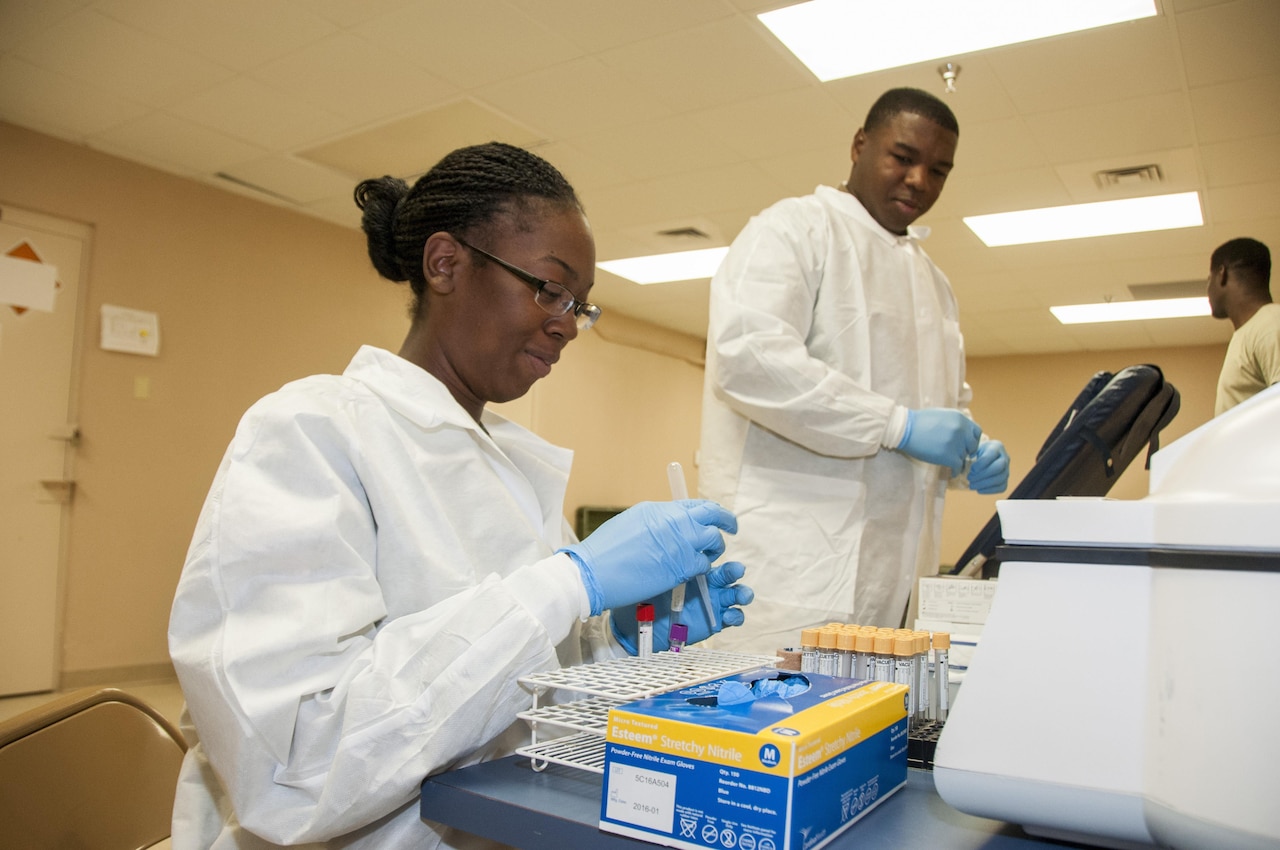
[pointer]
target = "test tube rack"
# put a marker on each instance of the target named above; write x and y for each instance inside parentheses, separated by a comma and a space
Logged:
(922, 740)
(608, 684)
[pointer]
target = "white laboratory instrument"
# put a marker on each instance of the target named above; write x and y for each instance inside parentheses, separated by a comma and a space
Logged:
(1128, 648)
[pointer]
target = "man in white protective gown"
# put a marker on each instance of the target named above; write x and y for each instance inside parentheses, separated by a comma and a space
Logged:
(835, 404)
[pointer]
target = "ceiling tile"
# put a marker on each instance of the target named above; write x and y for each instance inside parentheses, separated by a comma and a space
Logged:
(799, 172)
(23, 19)
(164, 138)
(410, 146)
(239, 34)
(660, 147)
(1000, 146)
(108, 55)
(1084, 69)
(1202, 330)
(1244, 203)
(1245, 30)
(1114, 128)
(658, 202)
(349, 13)
(967, 194)
(573, 99)
(779, 124)
(470, 44)
(587, 171)
(1116, 335)
(594, 26)
(1241, 161)
(249, 110)
(352, 77)
(706, 66)
(1237, 110)
(35, 97)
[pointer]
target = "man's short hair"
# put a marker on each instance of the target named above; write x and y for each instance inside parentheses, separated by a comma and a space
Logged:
(917, 101)
(1247, 254)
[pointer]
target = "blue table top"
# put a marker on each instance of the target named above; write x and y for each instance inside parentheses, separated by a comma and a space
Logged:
(507, 801)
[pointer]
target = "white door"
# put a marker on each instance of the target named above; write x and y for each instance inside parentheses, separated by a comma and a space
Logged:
(38, 357)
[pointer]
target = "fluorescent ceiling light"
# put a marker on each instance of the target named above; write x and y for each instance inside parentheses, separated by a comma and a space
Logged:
(839, 38)
(665, 268)
(1128, 311)
(1104, 218)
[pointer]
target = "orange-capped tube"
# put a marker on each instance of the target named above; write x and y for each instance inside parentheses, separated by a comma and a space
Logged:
(809, 651)
(884, 658)
(844, 651)
(922, 677)
(828, 662)
(864, 659)
(904, 652)
(942, 670)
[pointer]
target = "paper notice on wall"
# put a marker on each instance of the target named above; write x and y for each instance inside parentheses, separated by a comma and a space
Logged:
(25, 283)
(132, 331)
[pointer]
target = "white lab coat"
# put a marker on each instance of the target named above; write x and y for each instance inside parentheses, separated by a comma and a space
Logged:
(825, 328)
(369, 576)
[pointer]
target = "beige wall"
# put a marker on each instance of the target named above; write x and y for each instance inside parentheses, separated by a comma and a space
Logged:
(250, 296)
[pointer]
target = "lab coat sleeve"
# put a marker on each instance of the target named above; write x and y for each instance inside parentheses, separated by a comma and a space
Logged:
(318, 715)
(762, 300)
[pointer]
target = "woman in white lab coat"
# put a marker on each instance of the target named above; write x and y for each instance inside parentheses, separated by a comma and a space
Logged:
(380, 558)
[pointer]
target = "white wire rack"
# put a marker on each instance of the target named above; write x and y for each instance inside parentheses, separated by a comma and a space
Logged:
(608, 684)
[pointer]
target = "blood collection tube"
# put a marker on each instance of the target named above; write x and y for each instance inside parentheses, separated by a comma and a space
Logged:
(904, 651)
(844, 649)
(678, 637)
(828, 659)
(864, 654)
(941, 646)
(644, 619)
(922, 677)
(884, 657)
(809, 651)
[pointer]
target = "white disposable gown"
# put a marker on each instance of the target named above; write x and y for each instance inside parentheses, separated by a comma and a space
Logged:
(825, 328)
(369, 576)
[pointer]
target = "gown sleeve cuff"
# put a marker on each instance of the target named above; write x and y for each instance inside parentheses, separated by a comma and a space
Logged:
(551, 590)
(895, 428)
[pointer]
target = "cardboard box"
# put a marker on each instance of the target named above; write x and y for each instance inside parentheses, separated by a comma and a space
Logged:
(770, 774)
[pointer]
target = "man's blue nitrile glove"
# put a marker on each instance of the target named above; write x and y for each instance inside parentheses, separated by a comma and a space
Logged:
(940, 435)
(990, 470)
(726, 596)
(649, 549)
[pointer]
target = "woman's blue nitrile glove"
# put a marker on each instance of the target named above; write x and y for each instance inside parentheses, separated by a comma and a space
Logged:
(990, 470)
(941, 436)
(726, 596)
(649, 549)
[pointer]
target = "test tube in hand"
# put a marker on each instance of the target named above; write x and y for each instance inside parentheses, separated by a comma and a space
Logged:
(680, 490)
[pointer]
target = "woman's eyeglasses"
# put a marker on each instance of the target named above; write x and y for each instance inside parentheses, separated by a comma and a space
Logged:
(549, 295)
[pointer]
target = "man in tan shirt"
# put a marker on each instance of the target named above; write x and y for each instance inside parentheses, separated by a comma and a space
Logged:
(1240, 290)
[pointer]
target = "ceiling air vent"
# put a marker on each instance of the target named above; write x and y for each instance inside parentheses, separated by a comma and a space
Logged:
(1136, 176)
(231, 178)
